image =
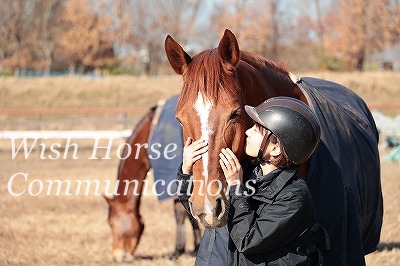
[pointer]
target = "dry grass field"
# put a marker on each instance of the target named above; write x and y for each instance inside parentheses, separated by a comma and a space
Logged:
(59, 229)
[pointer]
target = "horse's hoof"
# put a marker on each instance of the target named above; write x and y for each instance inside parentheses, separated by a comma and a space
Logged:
(193, 253)
(176, 254)
(128, 258)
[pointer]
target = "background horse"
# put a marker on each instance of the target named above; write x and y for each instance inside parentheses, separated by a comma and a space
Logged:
(344, 172)
(124, 208)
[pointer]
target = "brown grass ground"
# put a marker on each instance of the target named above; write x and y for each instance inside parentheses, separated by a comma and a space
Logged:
(126, 91)
(72, 230)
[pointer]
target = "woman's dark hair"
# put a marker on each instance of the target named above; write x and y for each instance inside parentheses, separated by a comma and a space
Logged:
(282, 160)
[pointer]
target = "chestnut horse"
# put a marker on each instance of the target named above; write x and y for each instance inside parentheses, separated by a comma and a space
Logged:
(124, 208)
(344, 172)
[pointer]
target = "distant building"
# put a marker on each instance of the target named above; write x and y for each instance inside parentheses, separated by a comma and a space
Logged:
(388, 59)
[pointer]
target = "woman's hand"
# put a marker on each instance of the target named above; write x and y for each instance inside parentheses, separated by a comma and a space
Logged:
(231, 167)
(191, 153)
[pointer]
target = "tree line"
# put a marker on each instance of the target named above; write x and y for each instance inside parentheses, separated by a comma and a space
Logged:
(127, 36)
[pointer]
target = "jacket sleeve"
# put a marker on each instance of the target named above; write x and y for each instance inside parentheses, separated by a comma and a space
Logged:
(278, 223)
(184, 188)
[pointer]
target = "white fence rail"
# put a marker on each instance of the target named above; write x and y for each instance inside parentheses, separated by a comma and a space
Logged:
(386, 124)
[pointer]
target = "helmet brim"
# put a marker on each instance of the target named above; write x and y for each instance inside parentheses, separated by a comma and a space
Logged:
(252, 112)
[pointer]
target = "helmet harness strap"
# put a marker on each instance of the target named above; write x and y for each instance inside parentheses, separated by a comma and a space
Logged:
(260, 159)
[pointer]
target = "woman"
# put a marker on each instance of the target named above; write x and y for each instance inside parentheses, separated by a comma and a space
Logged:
(271, 216)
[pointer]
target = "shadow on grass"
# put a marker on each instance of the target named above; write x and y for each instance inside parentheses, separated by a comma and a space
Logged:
(170, 256)
(383, 246)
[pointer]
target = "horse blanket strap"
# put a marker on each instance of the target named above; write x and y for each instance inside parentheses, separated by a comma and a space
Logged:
(165, 149)
(317, 228)
(156, 117)
(319, 242)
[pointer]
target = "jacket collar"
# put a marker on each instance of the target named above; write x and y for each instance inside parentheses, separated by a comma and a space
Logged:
(271, 184)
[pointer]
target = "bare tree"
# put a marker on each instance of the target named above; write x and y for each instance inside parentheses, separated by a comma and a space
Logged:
(232, 14)
(87, 40)
(143, 25)
(27, 33)
(256, 24)
(82, 33)
(320, 25)
(48, 29)
(17, 26)
(360, 28)
(5, 30)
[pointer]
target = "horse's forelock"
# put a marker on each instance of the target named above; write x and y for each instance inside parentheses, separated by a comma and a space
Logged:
(206, 74)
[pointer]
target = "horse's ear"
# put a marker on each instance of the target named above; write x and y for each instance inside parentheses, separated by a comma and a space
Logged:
(109, 200)
(177, 57)
(228, 48)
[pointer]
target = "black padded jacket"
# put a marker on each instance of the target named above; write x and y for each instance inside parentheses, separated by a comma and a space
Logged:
(273, 225)
(270, 223)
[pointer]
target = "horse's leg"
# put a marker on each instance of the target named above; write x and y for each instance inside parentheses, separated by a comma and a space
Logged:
(196, 233)
(180, 215)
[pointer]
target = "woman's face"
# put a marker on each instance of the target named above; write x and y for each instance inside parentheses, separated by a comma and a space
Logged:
(253, 141)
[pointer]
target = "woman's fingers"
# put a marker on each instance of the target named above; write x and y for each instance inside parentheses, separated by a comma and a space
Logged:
(200, 147)
(223, 161)
(230, 167)
(198, 144)
(188, 141)
(193, 150)
(229, 158)
(224, 169)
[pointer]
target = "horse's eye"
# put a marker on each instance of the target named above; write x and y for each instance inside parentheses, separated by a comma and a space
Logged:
(235, 114)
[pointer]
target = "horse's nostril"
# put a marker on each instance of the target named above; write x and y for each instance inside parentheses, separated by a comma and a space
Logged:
(219, 208)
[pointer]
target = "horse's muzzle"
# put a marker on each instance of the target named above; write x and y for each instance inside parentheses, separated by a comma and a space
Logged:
(213, 214)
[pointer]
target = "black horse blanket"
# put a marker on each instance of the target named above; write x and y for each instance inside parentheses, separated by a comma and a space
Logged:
(165, 149)
(344, 172)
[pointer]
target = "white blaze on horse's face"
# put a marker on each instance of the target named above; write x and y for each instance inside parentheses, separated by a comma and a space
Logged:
(203, 107)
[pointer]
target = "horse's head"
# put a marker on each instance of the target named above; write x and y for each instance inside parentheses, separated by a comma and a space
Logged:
(211, 108)
(217, 83)
(126, 227)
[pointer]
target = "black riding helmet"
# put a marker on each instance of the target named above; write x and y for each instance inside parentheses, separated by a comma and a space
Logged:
(293, 122)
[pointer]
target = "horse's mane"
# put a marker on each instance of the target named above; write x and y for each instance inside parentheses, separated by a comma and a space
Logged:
(263, 64)
(207, 76)
(149, 115)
